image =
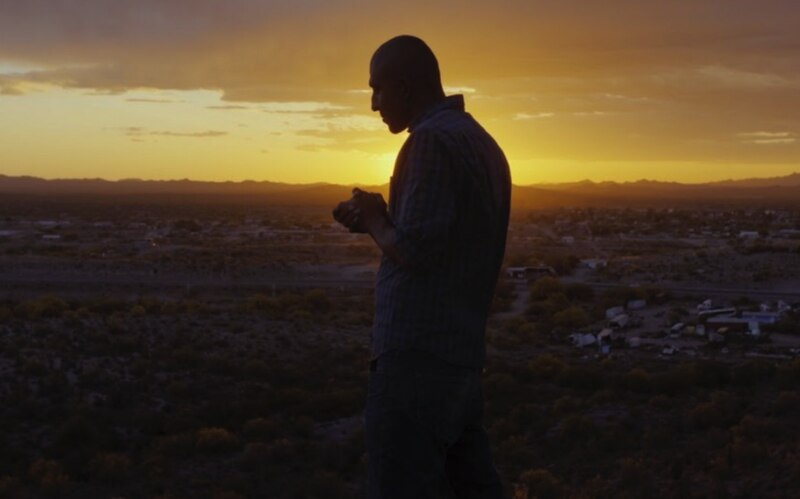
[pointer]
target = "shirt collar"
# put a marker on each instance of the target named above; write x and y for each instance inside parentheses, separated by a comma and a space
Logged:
(454, 102)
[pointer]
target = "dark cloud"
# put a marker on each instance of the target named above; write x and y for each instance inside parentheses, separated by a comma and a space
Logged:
(281, 50)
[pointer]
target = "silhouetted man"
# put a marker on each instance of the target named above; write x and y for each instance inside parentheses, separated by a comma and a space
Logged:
(443, 236)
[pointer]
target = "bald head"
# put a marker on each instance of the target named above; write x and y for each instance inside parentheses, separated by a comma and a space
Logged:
(408, 58)
(405, 79)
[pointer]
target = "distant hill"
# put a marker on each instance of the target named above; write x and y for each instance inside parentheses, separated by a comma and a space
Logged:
(767, 191)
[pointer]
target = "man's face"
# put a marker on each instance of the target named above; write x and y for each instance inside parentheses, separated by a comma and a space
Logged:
(389, 96)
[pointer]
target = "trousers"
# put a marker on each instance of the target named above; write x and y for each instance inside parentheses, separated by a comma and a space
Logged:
(424, 431)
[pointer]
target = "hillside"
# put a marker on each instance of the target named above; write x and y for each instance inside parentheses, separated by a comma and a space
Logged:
(767, 191)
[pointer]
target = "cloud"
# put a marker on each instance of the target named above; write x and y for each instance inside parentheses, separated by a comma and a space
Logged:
(10, 89)
(534, 116)
(768, 138)
(459, 90)
(766, 135)
(279, 50)
(301, 107)
(153, 101)
(774, 141)
(137, 133)
(667, 71)
(206, 133)
(228, 107)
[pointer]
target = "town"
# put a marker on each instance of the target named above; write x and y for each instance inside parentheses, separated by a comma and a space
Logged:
(220, 350)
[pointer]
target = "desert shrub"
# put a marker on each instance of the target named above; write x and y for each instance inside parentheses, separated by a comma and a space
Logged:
(334, 402)
(753, 371)
(572, 317)
(720, 412)
(174, 446)
(34, 367)
(255, 368)
(283, 450)
(661, 402)
(759, 429)
(582, 377)
(513, 449)
(151, 305)
(789, 373)
(186, 358)
(215, 441)
(111, 467)
(326, 485)
(789, 324)
(787, 402)
(748, 454)
(577, 428)
(260, 430)
(107, 306)
(617, 296)
(538, 484)
(565, 405)
(545, 287)
(6, 314)
(256, 457)
(562, 263)
(261, 303)
(49, 477)
(636, 380)
(710, 373)
(657, 438)
(299, 315)
(43, 307)
(125, 343)
(676, 380)
(546, 366)
(117, 324)
(11, 486)
(503, 296)
(501, 384)
(636, 478)
(227, 494)
(316, 301)
(301, 426)
(138, 311)
(579, 292)
(78, 432)
(221, 364)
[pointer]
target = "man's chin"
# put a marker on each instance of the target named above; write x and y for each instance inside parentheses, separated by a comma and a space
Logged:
(395, 129)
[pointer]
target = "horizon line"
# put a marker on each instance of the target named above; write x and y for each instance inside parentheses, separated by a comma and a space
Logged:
(323, 182)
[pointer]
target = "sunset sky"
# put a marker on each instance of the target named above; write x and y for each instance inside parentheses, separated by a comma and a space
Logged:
(680, 90)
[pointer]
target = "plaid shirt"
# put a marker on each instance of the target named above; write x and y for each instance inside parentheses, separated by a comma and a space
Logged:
(449, 201)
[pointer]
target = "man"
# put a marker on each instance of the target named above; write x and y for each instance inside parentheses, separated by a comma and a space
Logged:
(442, 236)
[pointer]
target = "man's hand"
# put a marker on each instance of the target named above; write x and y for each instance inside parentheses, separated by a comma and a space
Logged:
(370, 208)
(347, 214)
(366, 213)
(362, 212)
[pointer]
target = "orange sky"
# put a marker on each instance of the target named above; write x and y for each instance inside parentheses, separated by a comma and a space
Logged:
(276, 90)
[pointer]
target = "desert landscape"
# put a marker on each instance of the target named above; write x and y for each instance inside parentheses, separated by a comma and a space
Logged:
(202, 345)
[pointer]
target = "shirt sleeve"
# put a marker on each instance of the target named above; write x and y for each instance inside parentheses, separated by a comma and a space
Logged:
(426, 212)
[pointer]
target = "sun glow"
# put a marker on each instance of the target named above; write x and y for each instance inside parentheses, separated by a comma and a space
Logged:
(569, 92)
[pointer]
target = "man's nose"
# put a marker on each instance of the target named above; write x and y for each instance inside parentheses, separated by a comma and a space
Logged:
(375, 103)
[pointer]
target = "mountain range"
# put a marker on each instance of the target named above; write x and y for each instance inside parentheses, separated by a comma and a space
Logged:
(759, 191)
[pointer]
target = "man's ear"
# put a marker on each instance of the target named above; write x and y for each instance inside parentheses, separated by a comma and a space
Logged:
(405, 89)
